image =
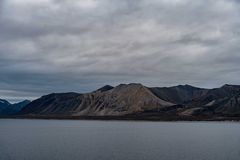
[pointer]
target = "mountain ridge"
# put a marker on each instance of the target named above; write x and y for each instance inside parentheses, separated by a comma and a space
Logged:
(135, 99)
(7, 108)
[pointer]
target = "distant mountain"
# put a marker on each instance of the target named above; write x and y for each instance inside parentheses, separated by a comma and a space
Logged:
(197, 101)
(120, 100)
(138, 101)
(224, 100)
(105, 88)
(181, 94)
(3, 105)
(7, 108)
(54, 104)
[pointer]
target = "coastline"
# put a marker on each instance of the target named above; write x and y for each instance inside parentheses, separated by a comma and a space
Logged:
(128, 118)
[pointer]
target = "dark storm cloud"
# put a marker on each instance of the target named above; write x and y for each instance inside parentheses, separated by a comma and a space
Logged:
(67, 45)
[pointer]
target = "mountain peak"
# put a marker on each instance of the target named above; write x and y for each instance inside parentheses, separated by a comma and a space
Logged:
(186, 86)
(22, 102)
(130, 84)
(135, 98)
(105, 88)
(230, 85)
(3, 101)
(7, 108)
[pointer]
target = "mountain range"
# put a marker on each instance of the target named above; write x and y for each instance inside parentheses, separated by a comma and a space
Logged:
(6, 108)
(136, 101)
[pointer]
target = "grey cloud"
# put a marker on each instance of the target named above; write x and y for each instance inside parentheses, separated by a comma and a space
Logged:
(61, 45)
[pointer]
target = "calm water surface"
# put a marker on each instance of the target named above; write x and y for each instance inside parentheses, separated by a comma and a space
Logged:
(118, 140)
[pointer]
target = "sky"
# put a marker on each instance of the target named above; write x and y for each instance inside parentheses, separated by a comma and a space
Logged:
(67, 45)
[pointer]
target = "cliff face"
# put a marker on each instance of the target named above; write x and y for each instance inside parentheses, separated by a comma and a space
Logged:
(128, 99)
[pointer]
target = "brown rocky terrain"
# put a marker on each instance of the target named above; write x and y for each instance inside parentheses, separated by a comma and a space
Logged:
(120, 100)
(136, 100)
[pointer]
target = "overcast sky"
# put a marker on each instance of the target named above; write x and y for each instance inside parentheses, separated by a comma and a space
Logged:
(80, 45)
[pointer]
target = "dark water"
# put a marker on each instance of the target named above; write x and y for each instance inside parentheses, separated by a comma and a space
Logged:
(118, 140)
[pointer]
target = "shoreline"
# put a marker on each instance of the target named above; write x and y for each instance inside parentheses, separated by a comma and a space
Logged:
(129, 118)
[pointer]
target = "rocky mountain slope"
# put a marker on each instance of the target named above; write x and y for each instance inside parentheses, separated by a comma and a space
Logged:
(181, 94)
(136, 99)
(120, 100)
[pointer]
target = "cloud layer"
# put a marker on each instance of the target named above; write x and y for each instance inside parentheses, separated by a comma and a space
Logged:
(67, 45)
